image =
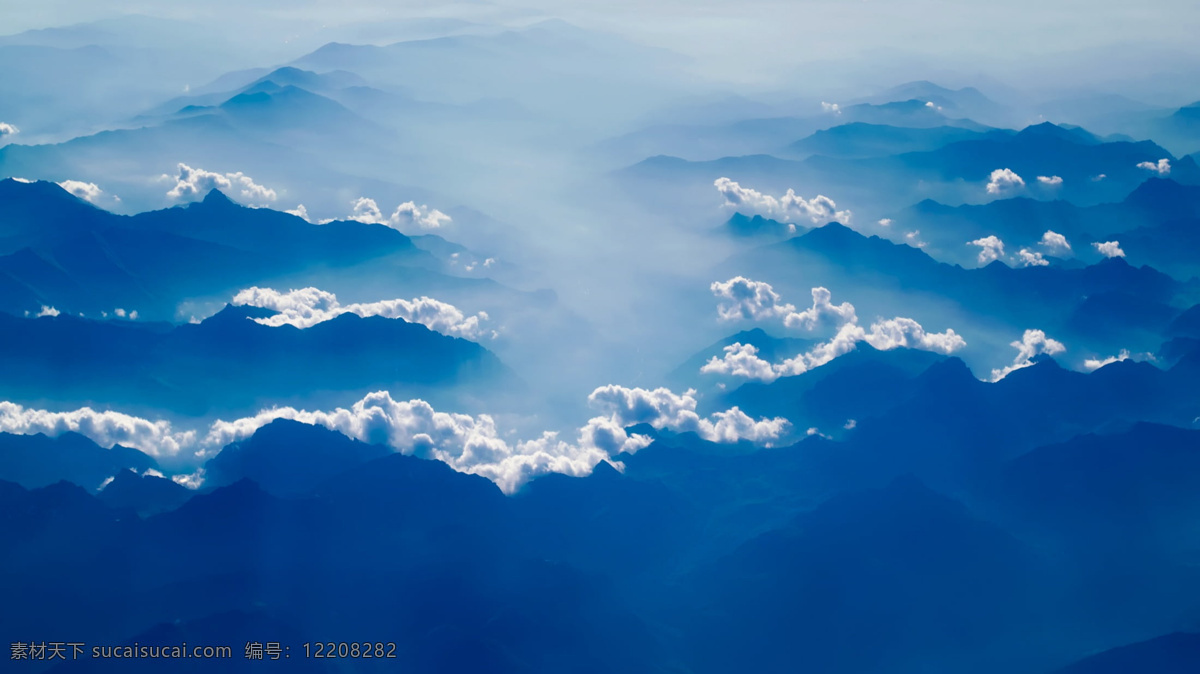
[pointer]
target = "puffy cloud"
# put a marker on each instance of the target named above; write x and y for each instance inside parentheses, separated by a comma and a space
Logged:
(885, 222)
(1003, 181)
(7, 129)
(1031, 258)
(742, 360)
(906, 332)
(1055, 243)
(104, 428)
(788, 208)
(991, 248)
(1097, 363)
(306, 307)
(299, 211)
(850, 425)
(1032, 343)
(470, 444)
(48, 311)
(1162, 167)
(408, 214)
(193, 183)
(664, 409)
(86, 191)
(831, 107)
(1050, 181)
(742, 298)
(822, 312)
(1108, 248)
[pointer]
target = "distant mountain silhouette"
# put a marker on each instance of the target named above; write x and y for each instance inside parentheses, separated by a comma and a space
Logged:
(862, 383)
(965, 102)
(769, 348)
(745, 226)
(1153, 222)
(1042, 149)
(144, 494)
(859, 139)
(230, 362)
(289, 458)
(838, 257)
(86, 259)
(35, 461)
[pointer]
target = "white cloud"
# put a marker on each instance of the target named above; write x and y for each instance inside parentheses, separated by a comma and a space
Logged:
(299, 211)
(906, 332)
(1050, 181)
(742, 298)
(1055, 243)
(470, 444)
(789, 208)
(663, 409)
(991, 248)
(1162, 168)
(851, 424)
(1098, 178)
(407, 214)
(366, 211)
(1096, 363)
(86, 191)
(831, 107)
(1031, 258)
(885, 222)
(1003, 181)
(105, 428)
(822, 313)
(48, 311)
(306, 307)
(193, 183)
(1032, 343)
(1108, 248)
(742, 360)
(7, 129)
(191, 480)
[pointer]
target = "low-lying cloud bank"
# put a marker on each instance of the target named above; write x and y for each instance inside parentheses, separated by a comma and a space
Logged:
(194, 183)
(407, 215)
(305, 307)
(742, 298)
(469, 444)
(788, 208)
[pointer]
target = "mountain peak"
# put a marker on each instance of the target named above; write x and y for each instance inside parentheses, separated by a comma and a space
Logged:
(1062, 132)
(216, 197)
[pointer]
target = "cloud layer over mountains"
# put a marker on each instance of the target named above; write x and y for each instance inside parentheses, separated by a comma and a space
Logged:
(397, 323)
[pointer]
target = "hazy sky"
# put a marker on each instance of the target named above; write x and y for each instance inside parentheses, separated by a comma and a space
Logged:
(736, 35)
